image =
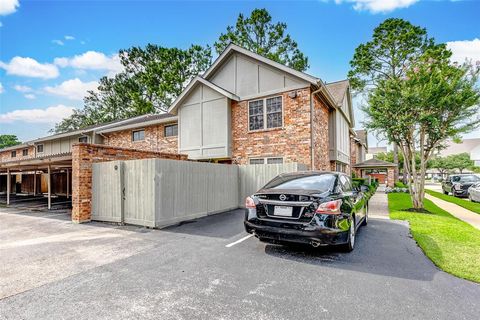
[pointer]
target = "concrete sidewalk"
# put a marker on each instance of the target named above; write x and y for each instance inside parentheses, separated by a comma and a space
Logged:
(456, 211)
(378, 204)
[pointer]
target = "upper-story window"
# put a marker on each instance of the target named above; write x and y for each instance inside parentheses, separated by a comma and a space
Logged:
(40, 148)
(83, 139)
(171, 130)
(25, 152)
(269, 109)
(138, 135)
(14, 153)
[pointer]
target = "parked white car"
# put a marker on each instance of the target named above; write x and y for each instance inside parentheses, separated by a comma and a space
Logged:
(474, 193)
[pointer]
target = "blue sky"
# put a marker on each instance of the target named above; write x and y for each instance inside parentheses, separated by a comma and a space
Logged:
(51, 52)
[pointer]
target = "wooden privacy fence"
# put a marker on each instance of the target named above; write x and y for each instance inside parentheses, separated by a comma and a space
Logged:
(160, 192)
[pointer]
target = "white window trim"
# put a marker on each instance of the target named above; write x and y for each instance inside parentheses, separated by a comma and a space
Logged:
(265, 159)
(136, 130)
(43, 148)
(265, 113)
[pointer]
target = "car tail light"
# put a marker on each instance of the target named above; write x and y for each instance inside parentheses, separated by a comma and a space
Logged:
(249, 203)
(330, 207)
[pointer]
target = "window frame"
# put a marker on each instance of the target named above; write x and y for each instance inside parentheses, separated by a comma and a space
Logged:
(40, 145)
(133, 135)
(264, 107)
(165, 130)
(13, 154)
(25, 152)
(81, 138)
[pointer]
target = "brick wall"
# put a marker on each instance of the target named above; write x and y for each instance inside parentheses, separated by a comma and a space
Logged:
(155, 140)
(320, 135)
(292, 141)
(83, 156)
(7, 155)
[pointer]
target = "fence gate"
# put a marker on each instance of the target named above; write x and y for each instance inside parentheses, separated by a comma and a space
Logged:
(107, 191)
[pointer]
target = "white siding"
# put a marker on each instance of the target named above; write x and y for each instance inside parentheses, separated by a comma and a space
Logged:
(248, 78)
(204, 125)
(339, 138)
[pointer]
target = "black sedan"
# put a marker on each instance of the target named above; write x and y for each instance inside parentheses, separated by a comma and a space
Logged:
(316, 208)
(458, 184)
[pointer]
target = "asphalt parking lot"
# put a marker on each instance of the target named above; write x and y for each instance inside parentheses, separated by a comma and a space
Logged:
(53, 269)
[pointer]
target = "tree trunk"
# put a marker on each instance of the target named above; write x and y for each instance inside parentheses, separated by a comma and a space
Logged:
(395, 160)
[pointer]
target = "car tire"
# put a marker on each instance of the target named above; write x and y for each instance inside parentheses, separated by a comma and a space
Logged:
(350, 245)
(445, 192)
(365, 220)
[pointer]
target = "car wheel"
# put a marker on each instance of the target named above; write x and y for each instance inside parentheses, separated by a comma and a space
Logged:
(445, 192)
(348, 247)
(365, 220)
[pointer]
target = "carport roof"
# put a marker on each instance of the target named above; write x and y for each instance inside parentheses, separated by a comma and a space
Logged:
(60, 159)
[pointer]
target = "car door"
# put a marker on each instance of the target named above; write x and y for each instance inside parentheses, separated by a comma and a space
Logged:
(448, 184)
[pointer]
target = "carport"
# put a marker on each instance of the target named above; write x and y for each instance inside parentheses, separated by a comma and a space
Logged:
(37, 182)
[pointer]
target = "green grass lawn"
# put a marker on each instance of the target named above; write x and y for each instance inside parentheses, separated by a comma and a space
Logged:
(452, 245)
(472, 206)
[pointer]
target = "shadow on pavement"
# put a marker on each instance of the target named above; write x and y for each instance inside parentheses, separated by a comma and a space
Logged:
(383, 247)
(223, 225)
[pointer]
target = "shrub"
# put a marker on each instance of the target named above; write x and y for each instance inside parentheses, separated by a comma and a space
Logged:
(400, 184)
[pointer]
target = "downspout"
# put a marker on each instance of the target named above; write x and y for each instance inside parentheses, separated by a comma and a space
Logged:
(312, 143)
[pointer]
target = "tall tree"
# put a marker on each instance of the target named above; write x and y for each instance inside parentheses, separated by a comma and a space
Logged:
(435, 100)
(8, 140)
(442, 164)
(152, 78)
(259, 34)
(460, 161)
(394, 43)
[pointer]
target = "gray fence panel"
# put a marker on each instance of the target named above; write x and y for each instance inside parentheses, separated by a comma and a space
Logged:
(187, 190)
(107, 191)
(139, 184)
(254, 177)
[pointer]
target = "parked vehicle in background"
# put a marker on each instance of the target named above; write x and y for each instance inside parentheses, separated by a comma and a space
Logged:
(474, 193)
(316, 208)
(458, 184)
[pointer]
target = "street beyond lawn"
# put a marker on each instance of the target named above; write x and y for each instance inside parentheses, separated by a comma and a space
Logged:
(54, 269)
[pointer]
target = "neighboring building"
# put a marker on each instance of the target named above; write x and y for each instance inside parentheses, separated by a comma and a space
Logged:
(373, 151)
(358, 146)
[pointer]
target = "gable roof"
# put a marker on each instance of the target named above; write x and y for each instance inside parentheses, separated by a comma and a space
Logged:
(199, 80)
(235, 48)
(338, 90)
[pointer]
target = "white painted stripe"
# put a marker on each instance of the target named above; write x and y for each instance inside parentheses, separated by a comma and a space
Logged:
(238, 241)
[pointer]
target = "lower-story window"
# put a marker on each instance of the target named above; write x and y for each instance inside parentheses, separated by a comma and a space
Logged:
(340, 167)
(267, 160)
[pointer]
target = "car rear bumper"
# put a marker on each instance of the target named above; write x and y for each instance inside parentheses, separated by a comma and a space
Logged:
(301, 234)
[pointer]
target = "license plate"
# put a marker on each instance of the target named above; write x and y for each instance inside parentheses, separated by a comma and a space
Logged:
(282, 211)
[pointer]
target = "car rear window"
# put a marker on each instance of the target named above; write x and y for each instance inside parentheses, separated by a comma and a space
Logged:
(321, 183)
(466, 179)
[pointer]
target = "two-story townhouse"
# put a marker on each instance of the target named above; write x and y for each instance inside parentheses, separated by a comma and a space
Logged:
(247, 109)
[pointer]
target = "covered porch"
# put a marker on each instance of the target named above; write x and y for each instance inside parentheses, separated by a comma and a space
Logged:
(37, 183)
(384, 171)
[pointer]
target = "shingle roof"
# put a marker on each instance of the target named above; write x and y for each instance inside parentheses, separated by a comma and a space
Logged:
(337, 90)
(374, 163)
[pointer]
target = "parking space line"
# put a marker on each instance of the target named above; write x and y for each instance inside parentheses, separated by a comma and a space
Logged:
(238, 241)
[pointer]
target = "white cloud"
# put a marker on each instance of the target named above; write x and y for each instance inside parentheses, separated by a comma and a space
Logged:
(21, 88)
(51, 114)
(8, 6)
(30, 96)
(28, 67)
(91, 60)
(378, 6)
(73, 89)
(69, 38)
(59, 42)
(465, 50)
(1, 88)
